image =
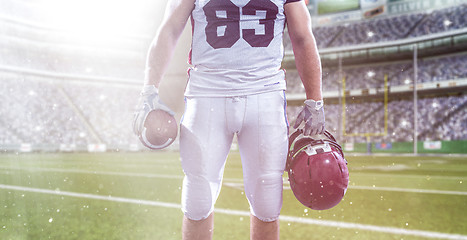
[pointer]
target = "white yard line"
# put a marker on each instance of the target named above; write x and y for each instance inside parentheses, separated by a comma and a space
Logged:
(411, 190)
(126, 174)
(239, 186)
(361, 174)
(236, 180)
(230, 182)
(326, 223)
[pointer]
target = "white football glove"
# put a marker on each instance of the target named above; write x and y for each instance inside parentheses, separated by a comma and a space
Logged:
(148, 101)
(313, 116)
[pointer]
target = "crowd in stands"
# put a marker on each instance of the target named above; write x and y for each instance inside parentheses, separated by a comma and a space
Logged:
(440, 118)
(390, 28)
(108, 112)
(401, 73)
(34, 112)
(39, 109)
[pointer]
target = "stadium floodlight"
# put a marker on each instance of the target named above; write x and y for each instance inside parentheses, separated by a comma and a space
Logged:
(404, 123)
(102, 97)
(447, 23)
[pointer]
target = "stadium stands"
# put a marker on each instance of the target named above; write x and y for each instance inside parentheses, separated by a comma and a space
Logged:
(441, 118)
(57, 91)
(41, 111)
(390, 28)
(362, 116)
(399, 73)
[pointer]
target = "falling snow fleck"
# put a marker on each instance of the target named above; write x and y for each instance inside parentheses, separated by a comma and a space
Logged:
(51, 220)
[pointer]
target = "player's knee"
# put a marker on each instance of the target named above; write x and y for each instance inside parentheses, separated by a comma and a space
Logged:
(198, 197)
(197, 214)
(266, 199)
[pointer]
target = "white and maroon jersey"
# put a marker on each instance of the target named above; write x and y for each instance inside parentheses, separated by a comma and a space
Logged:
(236, 47)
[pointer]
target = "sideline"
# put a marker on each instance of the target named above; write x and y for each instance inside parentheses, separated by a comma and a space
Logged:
(233, 182)
(239, 186)
(326, 223)
(361, 154)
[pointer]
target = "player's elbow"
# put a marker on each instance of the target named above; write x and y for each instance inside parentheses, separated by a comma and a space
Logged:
(301, 41)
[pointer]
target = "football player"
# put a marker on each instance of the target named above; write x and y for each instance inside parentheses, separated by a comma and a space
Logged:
(236, 87)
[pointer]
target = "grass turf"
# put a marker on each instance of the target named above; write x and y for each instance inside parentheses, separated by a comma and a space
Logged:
(157, 177)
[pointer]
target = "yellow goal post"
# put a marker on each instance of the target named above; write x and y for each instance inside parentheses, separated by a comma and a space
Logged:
(367, 134)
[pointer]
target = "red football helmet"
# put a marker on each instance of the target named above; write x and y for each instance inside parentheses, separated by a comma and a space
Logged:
(318, 172)
(160, 129)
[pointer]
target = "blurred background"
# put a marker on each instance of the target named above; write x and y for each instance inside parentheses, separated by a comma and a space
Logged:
(394, 83)
(71, 72)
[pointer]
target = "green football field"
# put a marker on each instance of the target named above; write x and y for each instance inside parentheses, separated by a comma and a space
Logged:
(137, 196)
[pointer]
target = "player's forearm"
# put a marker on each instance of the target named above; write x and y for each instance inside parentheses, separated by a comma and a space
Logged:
(306, 54)
(308, 65)
(159, 56)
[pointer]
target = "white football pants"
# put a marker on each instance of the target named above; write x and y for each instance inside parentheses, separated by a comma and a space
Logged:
(206, 132)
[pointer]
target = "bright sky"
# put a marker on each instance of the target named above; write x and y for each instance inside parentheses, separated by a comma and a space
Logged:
(97, 17)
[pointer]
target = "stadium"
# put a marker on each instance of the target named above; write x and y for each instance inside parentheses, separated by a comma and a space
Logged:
(394, 85)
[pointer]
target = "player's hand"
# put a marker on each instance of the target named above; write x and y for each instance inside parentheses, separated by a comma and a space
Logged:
(148, 101)
(313, 116)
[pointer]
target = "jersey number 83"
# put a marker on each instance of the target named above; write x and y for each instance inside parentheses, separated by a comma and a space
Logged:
(225, 15)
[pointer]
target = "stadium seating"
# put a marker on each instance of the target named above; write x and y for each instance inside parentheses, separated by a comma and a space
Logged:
(45, 101)
(440, 118)
(390, 28)
(401, 73)
(54, 112)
